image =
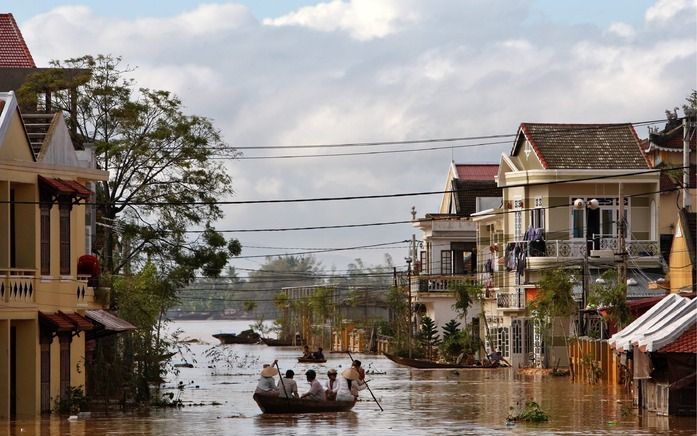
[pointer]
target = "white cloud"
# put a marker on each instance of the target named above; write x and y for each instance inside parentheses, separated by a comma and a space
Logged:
(665, 10)
(381, 70)
(363, 19)
(623, 30)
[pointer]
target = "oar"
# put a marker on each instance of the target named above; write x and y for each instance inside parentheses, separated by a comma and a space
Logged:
(275, 362)
(366, 384)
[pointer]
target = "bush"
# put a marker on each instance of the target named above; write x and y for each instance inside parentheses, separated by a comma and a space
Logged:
(73, 403)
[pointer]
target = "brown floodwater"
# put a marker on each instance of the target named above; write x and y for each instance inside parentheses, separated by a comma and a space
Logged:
(217, 395)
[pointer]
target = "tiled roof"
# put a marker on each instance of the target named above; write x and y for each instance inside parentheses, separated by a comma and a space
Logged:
(477, 171)
(583, 146)
(671, 140)
(686, 343)
(13, 50)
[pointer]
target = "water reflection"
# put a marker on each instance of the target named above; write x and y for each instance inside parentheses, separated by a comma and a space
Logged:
(449, 401)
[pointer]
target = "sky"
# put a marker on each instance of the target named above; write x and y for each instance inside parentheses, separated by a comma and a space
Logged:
(272, 72)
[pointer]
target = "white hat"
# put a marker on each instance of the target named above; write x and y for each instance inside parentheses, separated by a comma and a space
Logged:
(269, 372)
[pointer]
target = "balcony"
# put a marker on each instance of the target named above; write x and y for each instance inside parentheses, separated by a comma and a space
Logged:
(437, 283)
(512, 300)
(17, 287)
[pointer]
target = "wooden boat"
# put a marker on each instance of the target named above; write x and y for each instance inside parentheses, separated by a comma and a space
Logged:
(271, 404)
(245, 337)
(429, 364)
(278, 342)
(309, 360)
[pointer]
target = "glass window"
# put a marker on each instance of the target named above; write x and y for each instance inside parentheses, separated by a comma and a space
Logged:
(45, 240)
(502, 341)
(65, 239)
(577, 223)
(537, 218)
(446, 265)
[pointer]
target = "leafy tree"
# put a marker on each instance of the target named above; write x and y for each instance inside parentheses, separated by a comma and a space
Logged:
(429, 335)
(610, 295)
(554, 301)
(465, 294)
(398, 301)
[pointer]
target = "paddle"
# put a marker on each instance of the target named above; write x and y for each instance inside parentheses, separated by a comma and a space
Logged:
(275, 362)
(366, 384)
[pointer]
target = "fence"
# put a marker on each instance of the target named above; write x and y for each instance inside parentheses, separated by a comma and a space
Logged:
(592, 361)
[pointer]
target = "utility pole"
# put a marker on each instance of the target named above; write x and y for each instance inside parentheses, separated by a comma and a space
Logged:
(408, 259)
(685, 163)
(621, 226)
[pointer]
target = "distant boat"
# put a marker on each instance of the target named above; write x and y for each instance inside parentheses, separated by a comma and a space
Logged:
(278, 342)
(271, 404)
(310, 360)
(245, 337)
(429, 364)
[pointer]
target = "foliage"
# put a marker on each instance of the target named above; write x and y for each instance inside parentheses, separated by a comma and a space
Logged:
(465, 294)
(610, 295)
(450, 328)
(429, 336)
(453, 345)
(398, 301)
(74, 402)
(164, 176)
(530, 413)
(554, 297)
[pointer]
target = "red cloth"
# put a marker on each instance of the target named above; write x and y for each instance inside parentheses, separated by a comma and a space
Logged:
(88, 264)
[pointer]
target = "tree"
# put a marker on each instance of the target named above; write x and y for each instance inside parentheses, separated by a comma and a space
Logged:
(450, 328)
(164, 176)
(465, 294)
(610, 295)
(554, 301)
(429, 335)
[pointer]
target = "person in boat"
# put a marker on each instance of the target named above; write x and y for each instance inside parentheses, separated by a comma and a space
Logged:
(266, 385)
(360, 383)
(306, 352)
(332, 385)
(287, 387)
(496, 358)
(348, 385)
(316, 391)
(318, 355)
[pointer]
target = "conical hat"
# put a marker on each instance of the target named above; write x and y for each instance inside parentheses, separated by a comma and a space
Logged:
(269, 372)
(350, 374)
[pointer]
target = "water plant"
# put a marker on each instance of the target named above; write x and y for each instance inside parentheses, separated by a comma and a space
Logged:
(530, 413)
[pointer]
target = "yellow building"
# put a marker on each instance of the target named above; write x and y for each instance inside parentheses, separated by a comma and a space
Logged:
(681, 263)
(42, 235)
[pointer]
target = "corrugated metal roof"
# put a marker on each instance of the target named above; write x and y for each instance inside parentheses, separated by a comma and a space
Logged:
(14, 52)
(660, 326)
(109, 320)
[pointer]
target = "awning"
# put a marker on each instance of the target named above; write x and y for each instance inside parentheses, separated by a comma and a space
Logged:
(61, 322)
(64, 188)
(106, 323)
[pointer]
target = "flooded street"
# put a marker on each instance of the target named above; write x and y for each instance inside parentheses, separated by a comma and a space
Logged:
(218, 389)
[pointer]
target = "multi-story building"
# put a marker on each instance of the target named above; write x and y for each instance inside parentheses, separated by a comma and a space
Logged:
(42, 234)
(448, 253)
(568, 191)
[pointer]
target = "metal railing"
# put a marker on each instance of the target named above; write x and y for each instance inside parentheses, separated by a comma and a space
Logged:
(513, 300)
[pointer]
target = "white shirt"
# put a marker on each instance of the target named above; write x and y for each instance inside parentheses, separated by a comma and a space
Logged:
(266, 385)
(290, 387)
(345, 393)
(334, 387)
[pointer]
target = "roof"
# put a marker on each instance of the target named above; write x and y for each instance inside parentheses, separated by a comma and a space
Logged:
(13, 49)
(686, 343)
(63, 187)
(467, 191)
(583, 146)
(476, 171)
(65, 322)
(110, 321)
(660, 326)
(670, 139)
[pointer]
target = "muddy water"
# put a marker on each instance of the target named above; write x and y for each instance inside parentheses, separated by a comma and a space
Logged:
(217, 397)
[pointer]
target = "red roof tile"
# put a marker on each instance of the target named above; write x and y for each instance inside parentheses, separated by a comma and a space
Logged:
(485, 172)
(65, 187)
(686, 343)
(13, 50)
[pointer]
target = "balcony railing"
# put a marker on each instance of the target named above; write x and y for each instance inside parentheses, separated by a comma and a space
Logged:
(576, 249)
(438, 283)
(512, 300)
(17, 286)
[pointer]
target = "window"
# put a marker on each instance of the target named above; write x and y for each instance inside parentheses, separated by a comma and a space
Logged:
(446, 265)
(577, 226)
(502, 340)
(537, 218)
(518, 225)
(45, 240)
(517, 339)
(65, 239)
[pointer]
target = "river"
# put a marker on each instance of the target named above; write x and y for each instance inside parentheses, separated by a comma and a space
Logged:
(217, 394)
